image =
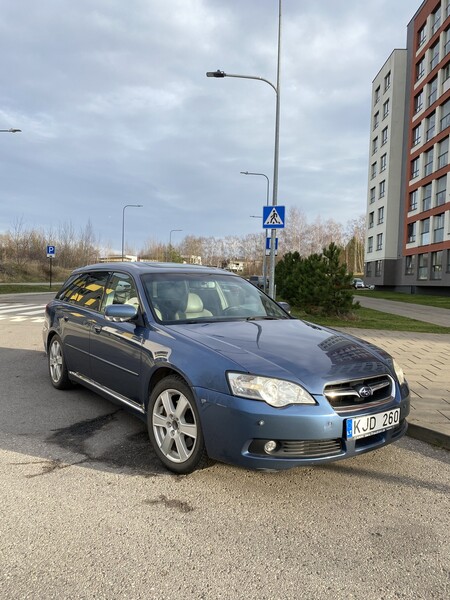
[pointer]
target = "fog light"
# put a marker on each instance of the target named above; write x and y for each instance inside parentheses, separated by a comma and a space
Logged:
(270, 447)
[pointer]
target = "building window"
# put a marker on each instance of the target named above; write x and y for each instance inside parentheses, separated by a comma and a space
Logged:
(368, 269)
(447, 10)
(371, 215)
(426, 197)
(428, 166)
(370, 245)
(409, 265)
(420, 69)
(384, 136)
(425, 232)
(385, 109)
(445, 115)
(413, 198)
(434, 56)
(377, 95)
(435, 20)
(447, 41)
(436, 265)
(448, 262)
(418, 102)
(443, 153)
(376, 120)
(380, 241)
(421, 36)
(446, 72)
(380, 215)
(415, 168)
(438, 228)
(441, 190)
(416, 135)
(374, 145)
(383, 162)
(372, 195)
(432, 91)
(387, 81)
(382, 189)
(378, 268)
(411, 232)
(374, 170)
(431, 126)
(423, 266)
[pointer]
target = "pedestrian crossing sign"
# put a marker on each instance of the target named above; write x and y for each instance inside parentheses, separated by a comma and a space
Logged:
(273, 217)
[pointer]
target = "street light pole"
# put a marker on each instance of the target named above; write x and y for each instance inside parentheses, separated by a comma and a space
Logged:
(265, 230)
(123, 224)
(170, 241)
(220, 74)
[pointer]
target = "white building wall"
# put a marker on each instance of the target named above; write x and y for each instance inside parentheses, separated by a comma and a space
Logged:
(385, 159)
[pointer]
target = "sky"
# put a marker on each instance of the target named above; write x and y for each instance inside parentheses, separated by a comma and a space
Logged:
(115, 109)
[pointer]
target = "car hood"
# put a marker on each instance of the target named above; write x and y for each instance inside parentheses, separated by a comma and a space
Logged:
(289, 349)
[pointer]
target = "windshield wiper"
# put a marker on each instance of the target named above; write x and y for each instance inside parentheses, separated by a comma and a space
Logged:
(262, 318)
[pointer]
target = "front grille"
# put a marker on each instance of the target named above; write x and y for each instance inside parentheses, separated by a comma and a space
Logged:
(299, 448)
(359, 394)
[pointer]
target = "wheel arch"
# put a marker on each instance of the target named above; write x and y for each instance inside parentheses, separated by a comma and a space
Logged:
(161, 374)
(48, 341)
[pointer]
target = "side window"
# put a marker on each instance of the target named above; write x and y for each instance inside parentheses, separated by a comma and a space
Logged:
(85, 290)
(121, 289)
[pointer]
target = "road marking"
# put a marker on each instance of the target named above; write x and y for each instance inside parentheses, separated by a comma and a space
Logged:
(16, 313)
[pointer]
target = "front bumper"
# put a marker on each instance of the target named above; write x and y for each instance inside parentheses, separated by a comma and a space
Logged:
(236, 430)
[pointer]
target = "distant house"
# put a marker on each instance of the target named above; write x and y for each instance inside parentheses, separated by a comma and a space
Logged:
(191, 260)
(118, 258)
(236, 266)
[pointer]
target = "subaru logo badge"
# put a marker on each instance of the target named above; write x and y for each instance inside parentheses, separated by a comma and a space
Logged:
(364, 391)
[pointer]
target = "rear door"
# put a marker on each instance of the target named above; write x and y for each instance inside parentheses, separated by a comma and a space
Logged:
(79, 302)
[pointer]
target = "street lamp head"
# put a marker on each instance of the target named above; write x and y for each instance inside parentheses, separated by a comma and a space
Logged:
(244, 172)
(218, 74)
(11, 130)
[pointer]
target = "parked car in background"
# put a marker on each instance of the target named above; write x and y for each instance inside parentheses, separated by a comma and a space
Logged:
(218, 370)
(359, 284)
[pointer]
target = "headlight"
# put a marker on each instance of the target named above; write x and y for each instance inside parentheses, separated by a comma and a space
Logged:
(276, 392)
(399, 372)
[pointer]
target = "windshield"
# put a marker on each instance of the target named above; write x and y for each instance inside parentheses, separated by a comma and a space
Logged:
(188, 297)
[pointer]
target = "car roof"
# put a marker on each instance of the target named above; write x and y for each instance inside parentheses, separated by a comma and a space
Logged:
(141, 267)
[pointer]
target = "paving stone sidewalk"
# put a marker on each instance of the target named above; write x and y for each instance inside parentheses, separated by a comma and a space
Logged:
(425, 359)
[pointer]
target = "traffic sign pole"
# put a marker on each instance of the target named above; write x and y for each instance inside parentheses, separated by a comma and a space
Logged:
(51, 251)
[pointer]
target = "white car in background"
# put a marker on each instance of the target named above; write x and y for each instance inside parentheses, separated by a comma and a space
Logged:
(359, 284)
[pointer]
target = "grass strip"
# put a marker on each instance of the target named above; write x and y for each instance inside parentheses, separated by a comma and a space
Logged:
(366, 318)
(436, 301)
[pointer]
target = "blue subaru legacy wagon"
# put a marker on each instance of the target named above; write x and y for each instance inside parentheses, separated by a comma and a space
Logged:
(218, 370)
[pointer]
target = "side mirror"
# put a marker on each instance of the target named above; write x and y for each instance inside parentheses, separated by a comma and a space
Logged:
(120, 312)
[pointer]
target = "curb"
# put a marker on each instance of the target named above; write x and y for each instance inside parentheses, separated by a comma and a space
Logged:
(424, 434)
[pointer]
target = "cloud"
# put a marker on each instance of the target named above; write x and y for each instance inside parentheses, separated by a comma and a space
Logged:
(115, 108)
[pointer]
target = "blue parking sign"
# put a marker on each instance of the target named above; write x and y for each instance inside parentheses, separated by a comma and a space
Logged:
(51, 250)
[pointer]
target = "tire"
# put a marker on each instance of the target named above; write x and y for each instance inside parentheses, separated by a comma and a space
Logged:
(57, 367)
(174, 426)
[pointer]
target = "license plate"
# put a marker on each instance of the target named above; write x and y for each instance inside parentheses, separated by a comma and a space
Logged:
(361, 427)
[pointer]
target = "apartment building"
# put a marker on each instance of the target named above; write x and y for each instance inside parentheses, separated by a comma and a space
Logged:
(413, 252)
(385, 170)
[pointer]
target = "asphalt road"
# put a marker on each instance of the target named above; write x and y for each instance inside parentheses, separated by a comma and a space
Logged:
(87, 511)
